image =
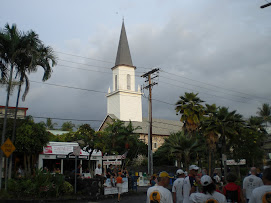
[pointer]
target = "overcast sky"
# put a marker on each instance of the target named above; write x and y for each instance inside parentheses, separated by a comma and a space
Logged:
(219, 49)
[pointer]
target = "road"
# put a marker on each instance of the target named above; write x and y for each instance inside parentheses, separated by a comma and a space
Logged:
(126, 199)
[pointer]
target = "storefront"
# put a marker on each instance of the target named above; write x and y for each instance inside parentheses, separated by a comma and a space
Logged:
(58, 156)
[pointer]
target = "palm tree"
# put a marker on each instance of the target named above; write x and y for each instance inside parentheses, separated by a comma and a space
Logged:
(192, 111)
(11, 45)
(182, 146)
(229, 124)
(210, 130)
(35, 55)
(49, 125)
(265, 113)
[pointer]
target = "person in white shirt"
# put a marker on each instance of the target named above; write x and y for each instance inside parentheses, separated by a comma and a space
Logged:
(159, 193)
(190, 183)
(262, 193)
(251, 182)
(208, 194)
(177, 188)
(98, 171)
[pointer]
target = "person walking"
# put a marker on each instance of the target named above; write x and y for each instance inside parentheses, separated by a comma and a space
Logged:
(119, 182)
(177, 188)
(159, 193)
(208, 194)
(190, 184)
(232, 191)
(251, 182)
(262, 193)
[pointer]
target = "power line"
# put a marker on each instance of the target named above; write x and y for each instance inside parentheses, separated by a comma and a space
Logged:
(68, 119)
(77, 88)
(204, 92)
(213, 85)
(164, 77)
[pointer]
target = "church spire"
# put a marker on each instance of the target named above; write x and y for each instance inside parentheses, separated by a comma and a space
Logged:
(123, 55)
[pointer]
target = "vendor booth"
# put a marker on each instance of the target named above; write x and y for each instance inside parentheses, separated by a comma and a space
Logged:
(58, 157)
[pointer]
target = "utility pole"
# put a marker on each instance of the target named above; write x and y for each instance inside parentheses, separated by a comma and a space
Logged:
(149, 78)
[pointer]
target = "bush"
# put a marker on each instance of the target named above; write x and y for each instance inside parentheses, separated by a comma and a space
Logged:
(67, 188)
(40, 185)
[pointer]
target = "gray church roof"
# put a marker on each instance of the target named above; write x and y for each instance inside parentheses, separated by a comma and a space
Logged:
(159, 126)
(123, 55)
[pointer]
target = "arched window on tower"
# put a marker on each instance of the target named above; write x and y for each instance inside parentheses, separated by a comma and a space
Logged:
(128, 82)
(116, 82)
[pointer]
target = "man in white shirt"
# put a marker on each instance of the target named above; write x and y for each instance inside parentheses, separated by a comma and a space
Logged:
(190, 183)
(159, 193)
(177, 188)
(263, 193)
(251, 182)
(98, 171)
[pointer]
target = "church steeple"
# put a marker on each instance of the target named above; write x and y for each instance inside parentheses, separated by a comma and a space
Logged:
(123, 55)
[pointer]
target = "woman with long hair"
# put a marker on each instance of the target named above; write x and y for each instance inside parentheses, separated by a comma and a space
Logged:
(209, 194)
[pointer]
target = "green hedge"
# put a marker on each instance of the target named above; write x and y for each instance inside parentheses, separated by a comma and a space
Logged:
(39, 185)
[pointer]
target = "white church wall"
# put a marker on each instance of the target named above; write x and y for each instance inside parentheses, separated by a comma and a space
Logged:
(130, 106)
(113, 105)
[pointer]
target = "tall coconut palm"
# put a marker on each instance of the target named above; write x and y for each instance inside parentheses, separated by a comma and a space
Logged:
(210, 130)
(265, 113)
(11, 45)
(35, 55)
(192, 111)
(229, 124)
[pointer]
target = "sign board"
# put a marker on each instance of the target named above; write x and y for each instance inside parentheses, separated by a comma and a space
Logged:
(8, 147)
(232, 162)
(111, 157)
(76, 150)
(112, 162)
(111, 187)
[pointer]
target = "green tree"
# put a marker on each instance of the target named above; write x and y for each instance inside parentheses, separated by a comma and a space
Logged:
(11, 45)
(183, 147)
(192, 111)
(210, 130)
(265, 113)
(49, 125)
(67, 126)
(30, 140)
(251, 137)
(87, 139)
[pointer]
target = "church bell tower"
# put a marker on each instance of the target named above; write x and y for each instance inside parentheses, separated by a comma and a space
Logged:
(124, 101)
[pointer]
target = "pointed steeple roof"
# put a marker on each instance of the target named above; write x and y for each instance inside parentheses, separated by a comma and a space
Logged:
(123, 55)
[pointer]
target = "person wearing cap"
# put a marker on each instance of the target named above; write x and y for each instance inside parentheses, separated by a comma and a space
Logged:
(177, 188)
(159, 193)
(208, 195)
(251, 182)
(190, 183)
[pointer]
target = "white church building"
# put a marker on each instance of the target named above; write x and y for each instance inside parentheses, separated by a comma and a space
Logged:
(124, 101)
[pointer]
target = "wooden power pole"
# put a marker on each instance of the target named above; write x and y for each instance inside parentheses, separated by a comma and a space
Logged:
(149, 78)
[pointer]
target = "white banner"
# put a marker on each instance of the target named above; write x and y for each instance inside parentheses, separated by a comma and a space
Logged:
(61, 150)
(111, 187)
(232, 162)
(111, 157)
(112, 162)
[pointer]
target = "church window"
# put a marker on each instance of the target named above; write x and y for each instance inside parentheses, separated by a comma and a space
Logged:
(155, 145)
(128, 82)
(116, 82)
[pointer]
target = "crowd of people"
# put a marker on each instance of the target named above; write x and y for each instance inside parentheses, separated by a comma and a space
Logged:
(196, 187)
